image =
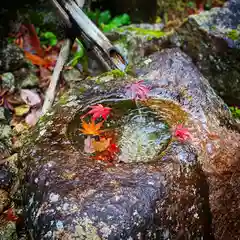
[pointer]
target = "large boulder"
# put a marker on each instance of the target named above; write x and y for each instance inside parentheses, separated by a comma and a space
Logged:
(212, 39)
(157, 186)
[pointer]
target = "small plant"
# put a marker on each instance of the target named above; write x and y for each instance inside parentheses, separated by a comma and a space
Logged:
(235, 112)
(105, 21)
(48, 38)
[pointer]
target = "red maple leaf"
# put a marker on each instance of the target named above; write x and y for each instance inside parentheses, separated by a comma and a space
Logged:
(98, 111)
(11, 216)
(137, 90)
(182, 133)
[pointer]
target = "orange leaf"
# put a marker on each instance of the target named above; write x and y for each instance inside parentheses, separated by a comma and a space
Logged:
(36, 60)
(101, 145)
(91, 128)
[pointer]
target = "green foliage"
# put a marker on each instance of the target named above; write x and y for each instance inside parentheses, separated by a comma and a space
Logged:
(78, 54)
(48, 38)
(235, 112)
(105, 21)
(191, 4)
(104, 17)
(233, 34)
(116, 22)
(11, 39)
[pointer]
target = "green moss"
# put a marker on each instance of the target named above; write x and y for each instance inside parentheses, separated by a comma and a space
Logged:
(63, 99)
(122, 40)
(233, 34)
(110, 75)
(43, 119)
(150, 34)
(82, 89)
(130, 70)
(213, 27)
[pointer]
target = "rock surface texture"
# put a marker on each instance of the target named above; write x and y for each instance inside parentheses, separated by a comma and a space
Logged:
(177, 192)
(212, 39)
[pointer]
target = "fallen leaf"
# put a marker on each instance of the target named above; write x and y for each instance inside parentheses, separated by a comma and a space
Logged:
(20, 127)
(11, 216)
(30, 97)
(31, 39)
(91, 128)
(101, 145)
(32, 118)
(21, 110)
(36, 60)
(44, 73)
(137, 90)
(182, 133)
(98, 111)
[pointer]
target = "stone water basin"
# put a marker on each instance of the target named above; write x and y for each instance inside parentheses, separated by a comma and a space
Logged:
(138, 132)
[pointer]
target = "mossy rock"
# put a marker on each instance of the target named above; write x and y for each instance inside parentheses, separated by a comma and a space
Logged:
(212, 39)
(93, 198)
(135, 42)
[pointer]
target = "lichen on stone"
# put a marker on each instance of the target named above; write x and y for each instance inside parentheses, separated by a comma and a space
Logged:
(149, 34)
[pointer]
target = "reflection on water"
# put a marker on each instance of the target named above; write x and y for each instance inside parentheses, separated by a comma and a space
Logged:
(132, 133)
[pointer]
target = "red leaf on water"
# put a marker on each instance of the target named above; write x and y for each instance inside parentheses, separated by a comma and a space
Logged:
(91, 128)
(137, 90)
(181, 133)
(98, 111)
(109, 154)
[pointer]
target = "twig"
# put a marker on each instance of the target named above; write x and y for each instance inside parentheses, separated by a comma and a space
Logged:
(51, 91)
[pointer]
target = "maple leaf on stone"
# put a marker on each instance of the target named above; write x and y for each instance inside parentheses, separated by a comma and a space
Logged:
(182, 133)
(11, 215)
(91, 128)
(137, 90)
(98, 111)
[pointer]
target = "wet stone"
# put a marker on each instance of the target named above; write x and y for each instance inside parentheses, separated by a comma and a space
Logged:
(12, 58)
(8, 230)
(8, 81)
(2, 115)
(166, 194)
(6, 177)
(4, 200)
(212, 39)
(30, 81)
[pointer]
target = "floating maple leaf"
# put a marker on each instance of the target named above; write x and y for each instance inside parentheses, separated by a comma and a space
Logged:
(182, 133)
(98, 111)
(91, 128)
(101, 145)
(109, 154)
(137, 90)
